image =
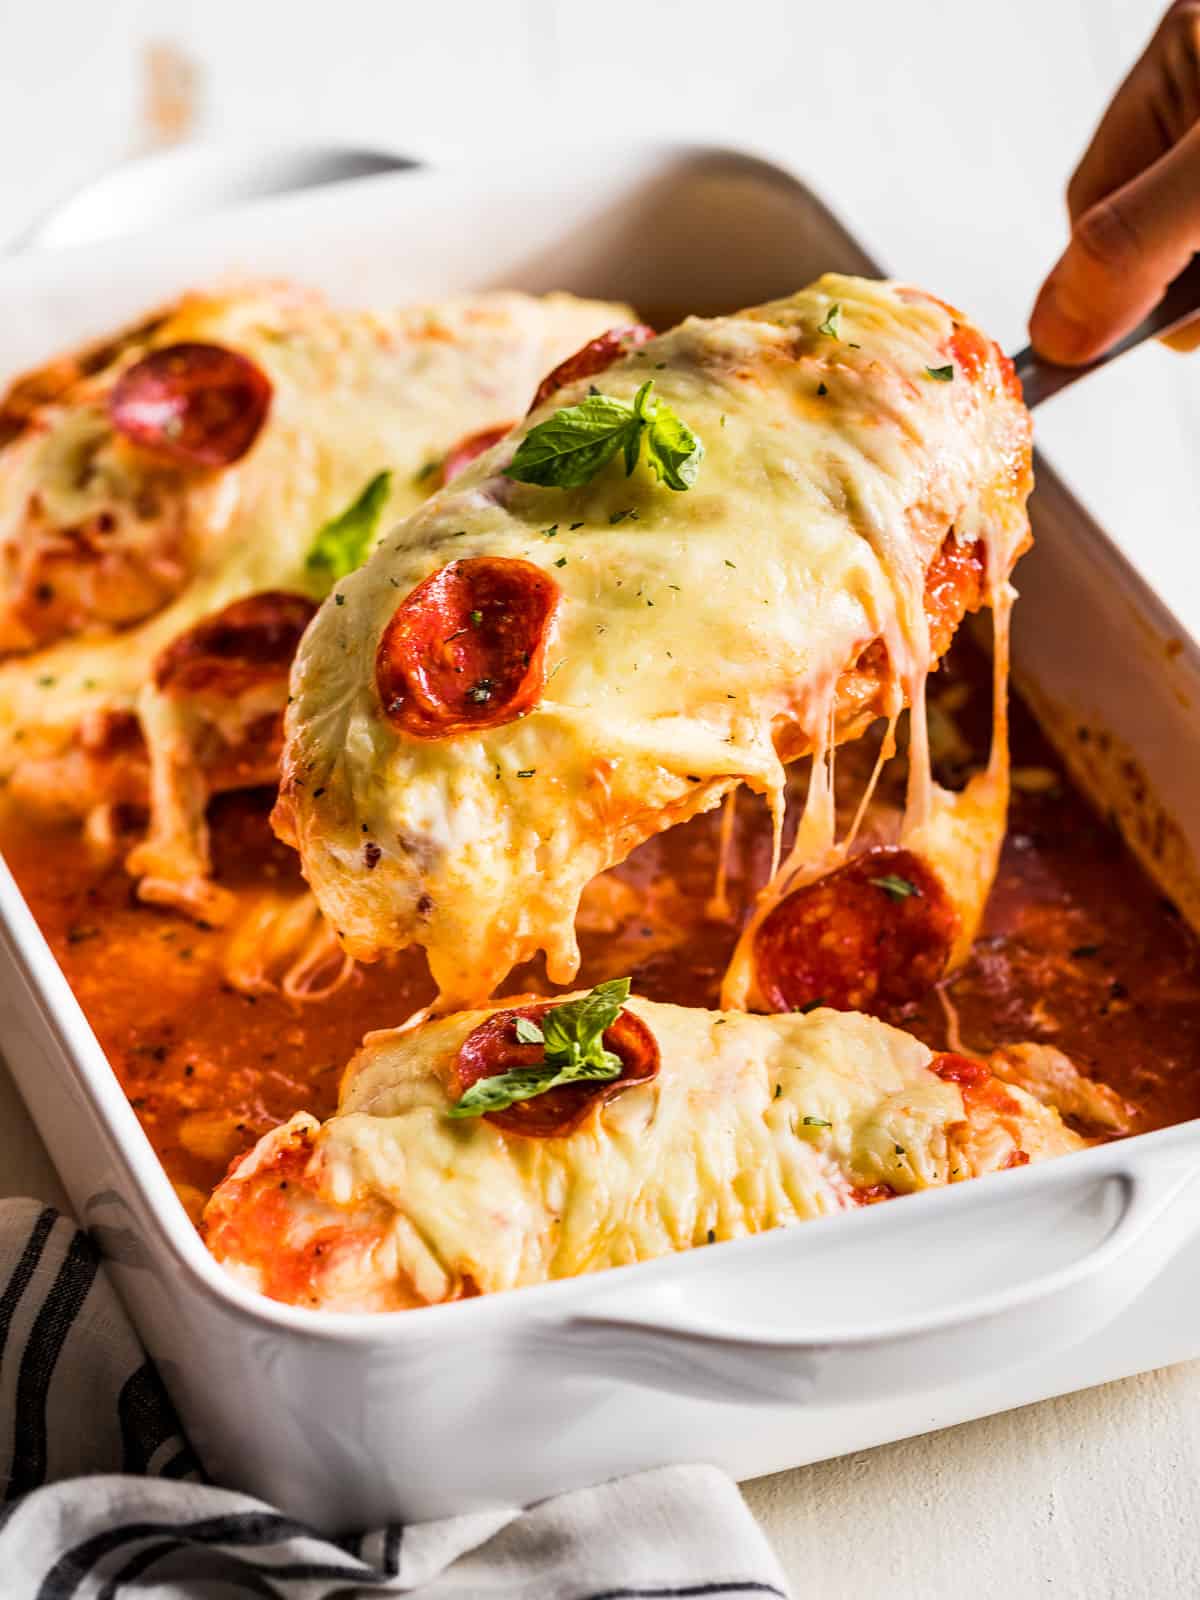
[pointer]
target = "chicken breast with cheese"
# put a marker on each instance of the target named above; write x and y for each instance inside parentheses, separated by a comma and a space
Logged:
(701, 557)
(709, 1126)
(188, 490)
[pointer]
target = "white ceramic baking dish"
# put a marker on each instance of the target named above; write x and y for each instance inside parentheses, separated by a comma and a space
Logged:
(758, 1354)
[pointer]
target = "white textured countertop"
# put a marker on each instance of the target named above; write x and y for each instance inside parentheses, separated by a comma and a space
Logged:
(944, 135)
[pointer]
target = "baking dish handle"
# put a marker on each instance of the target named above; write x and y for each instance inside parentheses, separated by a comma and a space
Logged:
(978, 1287)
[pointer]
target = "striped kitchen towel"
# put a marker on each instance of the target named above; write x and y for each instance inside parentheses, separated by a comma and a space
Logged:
(104, 1499)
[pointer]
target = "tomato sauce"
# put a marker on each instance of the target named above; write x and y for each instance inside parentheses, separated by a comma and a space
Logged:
(207, 1069)
(1078, 949)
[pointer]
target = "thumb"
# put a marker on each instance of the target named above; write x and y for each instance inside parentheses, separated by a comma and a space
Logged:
(1123, 253)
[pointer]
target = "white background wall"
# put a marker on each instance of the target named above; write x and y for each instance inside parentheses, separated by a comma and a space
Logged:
(944, 133)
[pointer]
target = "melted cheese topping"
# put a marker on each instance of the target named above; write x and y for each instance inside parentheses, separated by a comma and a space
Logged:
(410, 1207)
(353, 393)
(702, 634)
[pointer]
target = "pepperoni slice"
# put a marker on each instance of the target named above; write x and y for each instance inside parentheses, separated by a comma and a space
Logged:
(460, 457)
(493, 1048)
(595, 357)
(963, 1070)
(467, 648)
(871, 936)
(247, 643)
(195, 405)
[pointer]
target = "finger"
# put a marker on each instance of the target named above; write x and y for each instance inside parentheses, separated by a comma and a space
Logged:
(1154, 107)
(1180, 87)
(1133, 132)
(1123, 253)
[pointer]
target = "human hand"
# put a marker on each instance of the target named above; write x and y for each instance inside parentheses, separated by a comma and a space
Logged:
(1134, 202)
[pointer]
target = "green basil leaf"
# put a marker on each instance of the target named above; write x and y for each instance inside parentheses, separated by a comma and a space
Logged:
(571, 447)
(940, 374)
(599, 1064)
(523, 1083)
(633, 446)
(633, 441)
(572, 1036)
(673, 451)
(505, 1089)
(575, 1028)
(343, 543)
(899, 888)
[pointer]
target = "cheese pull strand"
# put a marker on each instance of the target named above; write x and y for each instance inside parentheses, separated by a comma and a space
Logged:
(719, 908)
(958, 835)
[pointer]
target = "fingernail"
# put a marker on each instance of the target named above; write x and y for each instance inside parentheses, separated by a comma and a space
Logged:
(1055, 331)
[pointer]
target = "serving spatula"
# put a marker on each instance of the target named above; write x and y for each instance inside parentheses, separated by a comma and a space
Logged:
(1041, 379)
